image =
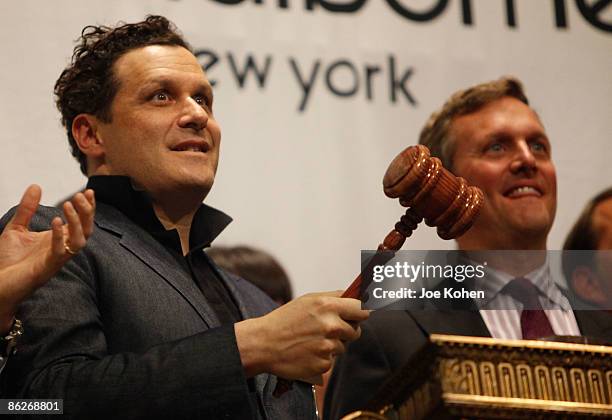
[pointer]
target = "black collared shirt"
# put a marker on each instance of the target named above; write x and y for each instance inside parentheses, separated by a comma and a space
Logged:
(207, 224)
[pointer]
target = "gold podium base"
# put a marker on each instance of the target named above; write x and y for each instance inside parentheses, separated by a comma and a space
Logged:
(487, 378)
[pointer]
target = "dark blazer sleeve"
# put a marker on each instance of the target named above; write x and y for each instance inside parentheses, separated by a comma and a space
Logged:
(388, 341)
(65, 354)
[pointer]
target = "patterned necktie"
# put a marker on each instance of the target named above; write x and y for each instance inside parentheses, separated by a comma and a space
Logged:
(534, 323)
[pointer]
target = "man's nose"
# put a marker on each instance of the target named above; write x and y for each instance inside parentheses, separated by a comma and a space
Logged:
(523, 159)
(193, 115)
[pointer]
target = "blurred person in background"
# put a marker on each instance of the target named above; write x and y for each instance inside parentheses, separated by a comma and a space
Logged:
(256, 266)
(589, 274)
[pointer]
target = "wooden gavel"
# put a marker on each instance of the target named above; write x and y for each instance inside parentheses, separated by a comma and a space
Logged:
(430, 192)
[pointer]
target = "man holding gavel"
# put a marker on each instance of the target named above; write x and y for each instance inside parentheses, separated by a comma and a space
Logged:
(141, 323)
(489, 135)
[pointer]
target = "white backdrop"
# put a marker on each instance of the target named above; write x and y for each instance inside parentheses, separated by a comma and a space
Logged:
(306, 184)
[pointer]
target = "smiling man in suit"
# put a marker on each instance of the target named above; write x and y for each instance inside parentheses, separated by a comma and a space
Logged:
(489, 135)
(141, 323)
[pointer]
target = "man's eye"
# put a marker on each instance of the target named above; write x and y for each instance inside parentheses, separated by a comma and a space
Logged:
(495, 147)
(538, 147)
(161, 96)
(201, 100)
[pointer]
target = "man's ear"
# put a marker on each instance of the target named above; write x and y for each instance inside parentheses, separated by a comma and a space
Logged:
(86, 133)
(586, 285)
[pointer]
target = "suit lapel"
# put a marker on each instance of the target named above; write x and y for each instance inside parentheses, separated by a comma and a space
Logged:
(263, 378)
(451, 322)
(595, 324)
(155, 256)
(592, 321)
(245, 313)
(454, 317)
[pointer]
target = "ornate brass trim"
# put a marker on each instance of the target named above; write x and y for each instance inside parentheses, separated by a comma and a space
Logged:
(495, 403)
(523, 344)
(491, 378)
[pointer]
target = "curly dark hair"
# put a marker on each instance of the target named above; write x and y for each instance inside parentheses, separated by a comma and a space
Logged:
(88, 84)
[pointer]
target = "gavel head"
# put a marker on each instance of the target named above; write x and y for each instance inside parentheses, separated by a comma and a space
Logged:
(441, 198)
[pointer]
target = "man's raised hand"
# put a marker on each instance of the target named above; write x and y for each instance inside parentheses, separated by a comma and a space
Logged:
(28, 259)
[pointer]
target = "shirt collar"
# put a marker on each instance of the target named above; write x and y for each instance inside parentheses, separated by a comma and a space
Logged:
(118, 191)
(495, 280)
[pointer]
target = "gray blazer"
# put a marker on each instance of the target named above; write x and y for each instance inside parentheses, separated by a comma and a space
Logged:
(123, 332)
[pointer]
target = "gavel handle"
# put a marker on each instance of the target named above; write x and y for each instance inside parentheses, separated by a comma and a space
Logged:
(359, 285)
(386, 251)
(354, 289)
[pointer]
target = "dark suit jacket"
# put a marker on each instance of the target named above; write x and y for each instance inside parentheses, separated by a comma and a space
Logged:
(390, 339)
(123, 332)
